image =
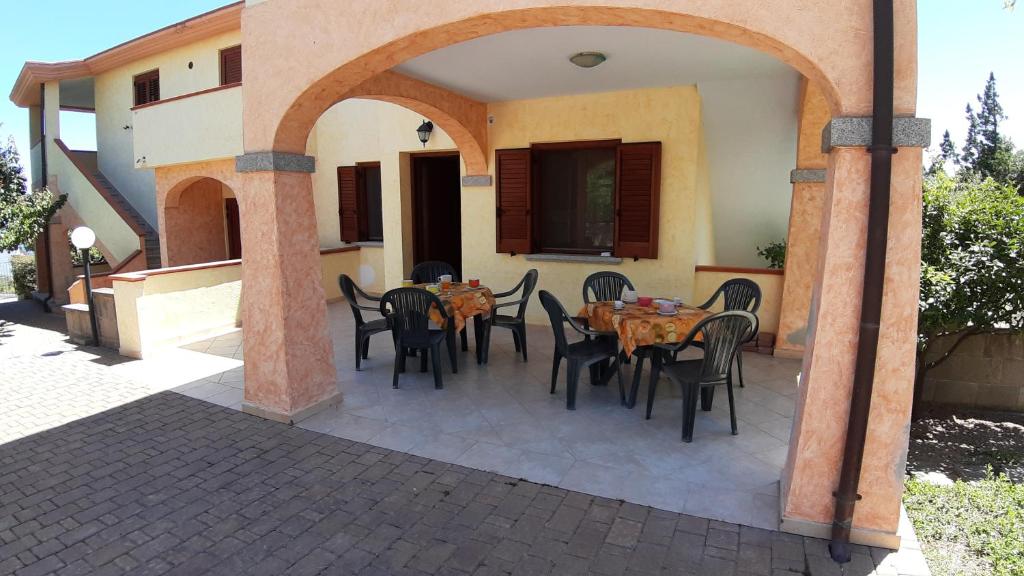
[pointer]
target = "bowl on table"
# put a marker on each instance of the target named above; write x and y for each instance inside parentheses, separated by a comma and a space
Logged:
(629, 296)
(644, 301)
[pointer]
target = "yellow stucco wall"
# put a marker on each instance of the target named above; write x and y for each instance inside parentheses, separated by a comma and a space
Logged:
(199, 128)
(771, 294)
(115, 98)
(668, 115)
(358, 130)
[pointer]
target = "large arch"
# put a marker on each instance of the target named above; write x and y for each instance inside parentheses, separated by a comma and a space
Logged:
(824, 41)
(463, 119)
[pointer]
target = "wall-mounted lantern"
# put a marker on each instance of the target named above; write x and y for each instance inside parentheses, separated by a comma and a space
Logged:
(424, 131)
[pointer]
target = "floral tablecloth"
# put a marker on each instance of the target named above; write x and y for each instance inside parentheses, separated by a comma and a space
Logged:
(462, 302)
(642, 325)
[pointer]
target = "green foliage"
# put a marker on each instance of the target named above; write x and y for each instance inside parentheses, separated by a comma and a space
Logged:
(986, 152)
(774, 253)
(23, 269)
(972, 257)
(971, 528)
(23, 213)
(95, 256)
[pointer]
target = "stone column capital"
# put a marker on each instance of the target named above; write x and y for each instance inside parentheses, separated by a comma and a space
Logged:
(855, 132)
(271, 161)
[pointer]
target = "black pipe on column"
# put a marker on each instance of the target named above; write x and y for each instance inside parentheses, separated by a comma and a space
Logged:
(881, 151)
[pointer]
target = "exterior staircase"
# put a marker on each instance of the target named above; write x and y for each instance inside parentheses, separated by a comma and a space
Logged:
(149, 239)
(152, 239)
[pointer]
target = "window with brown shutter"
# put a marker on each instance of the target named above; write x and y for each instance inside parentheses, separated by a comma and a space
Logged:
(638, 186)
(348, 203)
(147, 87)
(359, 202)
(231, 65)
(514, 200)
(590, 198)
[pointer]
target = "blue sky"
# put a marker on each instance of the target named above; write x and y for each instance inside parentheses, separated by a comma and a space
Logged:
(960, 42)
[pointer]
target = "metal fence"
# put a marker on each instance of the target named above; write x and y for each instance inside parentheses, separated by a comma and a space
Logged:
(6, 279)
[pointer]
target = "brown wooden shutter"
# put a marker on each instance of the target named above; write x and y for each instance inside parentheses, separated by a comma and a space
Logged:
(637, 190)
(231, 65)
(348, 203)
(147, 87)
(513, 201)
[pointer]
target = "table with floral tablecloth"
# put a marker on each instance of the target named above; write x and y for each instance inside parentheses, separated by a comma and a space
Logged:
(463, 301)
(642, 325)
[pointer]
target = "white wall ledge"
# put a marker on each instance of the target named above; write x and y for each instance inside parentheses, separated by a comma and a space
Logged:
(577, 258)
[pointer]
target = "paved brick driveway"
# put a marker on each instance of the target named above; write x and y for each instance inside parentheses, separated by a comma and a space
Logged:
(167, 484)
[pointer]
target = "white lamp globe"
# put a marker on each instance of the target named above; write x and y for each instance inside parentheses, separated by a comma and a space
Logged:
(83, 237)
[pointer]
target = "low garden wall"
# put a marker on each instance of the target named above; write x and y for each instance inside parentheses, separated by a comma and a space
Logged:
(985, 371)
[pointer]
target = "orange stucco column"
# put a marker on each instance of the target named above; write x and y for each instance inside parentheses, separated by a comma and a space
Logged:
(804, 235)
(819, 429)
(289, 362)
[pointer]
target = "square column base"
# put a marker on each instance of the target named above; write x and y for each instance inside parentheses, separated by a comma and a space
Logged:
(296, 417)
(875, 538)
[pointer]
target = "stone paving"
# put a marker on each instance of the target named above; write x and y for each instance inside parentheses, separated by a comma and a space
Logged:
(129, 479)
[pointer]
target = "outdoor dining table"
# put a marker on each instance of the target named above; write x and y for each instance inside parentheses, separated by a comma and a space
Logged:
(461, 302)
(641, 327)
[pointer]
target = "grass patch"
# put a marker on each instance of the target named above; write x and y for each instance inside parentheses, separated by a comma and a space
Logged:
(969, 528)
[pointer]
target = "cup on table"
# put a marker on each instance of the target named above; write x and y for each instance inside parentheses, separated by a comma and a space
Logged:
(666, 307)
(474, 282)
(407, 283)
(677, 301)
(619, 304)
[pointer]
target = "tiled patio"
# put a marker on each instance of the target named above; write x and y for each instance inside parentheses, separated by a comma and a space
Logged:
(501, 418)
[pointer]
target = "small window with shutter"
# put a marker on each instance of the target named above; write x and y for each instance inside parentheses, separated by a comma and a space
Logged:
(579, 198)
(147, 87)
(231, 65)
(360, 211)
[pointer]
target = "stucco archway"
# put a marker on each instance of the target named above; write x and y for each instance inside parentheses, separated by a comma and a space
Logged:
(295, 73)
(821, 40)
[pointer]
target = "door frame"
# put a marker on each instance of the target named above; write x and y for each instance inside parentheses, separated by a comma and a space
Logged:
(413, 192)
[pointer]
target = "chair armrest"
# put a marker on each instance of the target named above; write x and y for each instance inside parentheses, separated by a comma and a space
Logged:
(369, 308)
(507, 304)
(585, 331)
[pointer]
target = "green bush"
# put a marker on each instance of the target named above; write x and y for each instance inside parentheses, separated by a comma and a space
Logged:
(23, 269)
(774, 253)
(969, 528)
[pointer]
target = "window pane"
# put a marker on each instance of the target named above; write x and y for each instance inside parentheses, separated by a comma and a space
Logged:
(374, 212)
(577, 191)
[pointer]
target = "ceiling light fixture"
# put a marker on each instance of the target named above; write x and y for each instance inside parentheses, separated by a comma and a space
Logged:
(587, 59)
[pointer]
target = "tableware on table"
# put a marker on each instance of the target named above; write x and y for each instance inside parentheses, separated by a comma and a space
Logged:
(408, 283)
(433, 288)
(474, 282)
(672, 313)
(644, 301)
(445, 278)
(619, 305)
(666, 307)
(677, 301)
(629, 296)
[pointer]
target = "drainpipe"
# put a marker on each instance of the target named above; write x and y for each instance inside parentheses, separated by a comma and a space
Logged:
(43, 173)
(881, 151)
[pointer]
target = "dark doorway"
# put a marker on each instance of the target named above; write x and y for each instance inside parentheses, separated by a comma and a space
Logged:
(437, 209)
(234, 229)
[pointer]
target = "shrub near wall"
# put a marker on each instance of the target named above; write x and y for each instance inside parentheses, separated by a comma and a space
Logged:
(23, 269)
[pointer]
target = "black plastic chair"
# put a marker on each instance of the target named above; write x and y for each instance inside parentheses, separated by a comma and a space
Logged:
(740, 294)
(364, 329)
(578, 355)
(517, 323)
(408, 313)
(430, 272)
(604, 287)
(721, 335)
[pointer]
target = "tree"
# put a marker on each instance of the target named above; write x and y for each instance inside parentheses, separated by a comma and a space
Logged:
(24, 213)
(972, 265)
(986, 152)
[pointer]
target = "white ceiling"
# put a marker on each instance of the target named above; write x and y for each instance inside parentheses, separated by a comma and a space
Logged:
(534, 62)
